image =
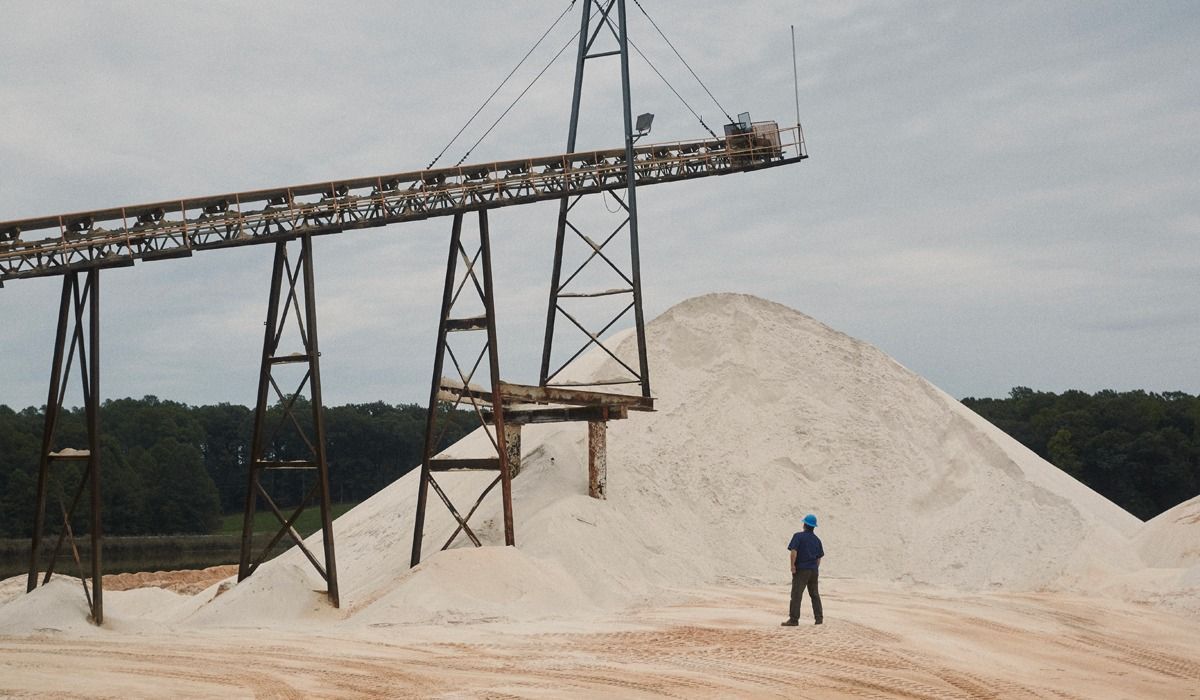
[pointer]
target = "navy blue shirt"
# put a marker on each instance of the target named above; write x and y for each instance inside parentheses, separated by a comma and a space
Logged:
(808, 549)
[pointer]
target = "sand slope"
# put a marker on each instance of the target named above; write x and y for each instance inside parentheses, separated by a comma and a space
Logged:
(763, 414)
(955, 559)
(1172, 539)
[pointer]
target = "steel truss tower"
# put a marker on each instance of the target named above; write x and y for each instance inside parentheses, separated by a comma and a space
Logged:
(501, 408)
(566, 300)
(473, 290)
(82, 302)
(302, 309)
(551, 401)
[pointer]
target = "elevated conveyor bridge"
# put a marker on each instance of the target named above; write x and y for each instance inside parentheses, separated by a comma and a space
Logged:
(54, 245)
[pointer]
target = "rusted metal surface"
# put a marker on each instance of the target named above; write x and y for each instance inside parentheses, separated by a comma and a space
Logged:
(92, 402)
(512, 443)
(525, 415)
(286, 276)
(566, 300)
(598, 459)
(573, 397)
(435, 391)
(53, 245)
(486, 403)
(516, 398)
(79, 302)
(635, 265)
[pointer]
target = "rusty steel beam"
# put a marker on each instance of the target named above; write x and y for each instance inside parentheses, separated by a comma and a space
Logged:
(92, 399)
(597, 460)
(527, 415)
(573, 397)
(54, 245)
(80, 302)
(489, 303)
(516, 394)
(635, 265)
(512, 443)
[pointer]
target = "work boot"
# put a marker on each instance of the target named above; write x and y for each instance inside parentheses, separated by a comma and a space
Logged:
(789, 623)
(818, 622)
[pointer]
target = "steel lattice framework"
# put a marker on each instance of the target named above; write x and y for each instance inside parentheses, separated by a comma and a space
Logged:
(54, 245)
(78, 246)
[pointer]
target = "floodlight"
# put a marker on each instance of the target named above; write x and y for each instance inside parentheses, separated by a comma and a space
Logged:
(643, 124)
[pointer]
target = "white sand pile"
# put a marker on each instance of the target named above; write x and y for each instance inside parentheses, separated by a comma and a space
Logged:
(763, 415)
(1170, 545)
(492, 583)
(12, 588)
(56, 607)
(60, 607)
(1172, 540)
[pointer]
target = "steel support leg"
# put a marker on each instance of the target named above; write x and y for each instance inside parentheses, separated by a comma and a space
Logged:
(512, 442)
(597, 459)
(286, 279)
(443, 393)
(76, 299)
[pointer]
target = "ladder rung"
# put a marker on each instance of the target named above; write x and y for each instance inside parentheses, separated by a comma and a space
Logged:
(474, 323)
(605, 293)
(601, 382)
(289, 464)
(284, 359)
(70, 453)
(464, 463)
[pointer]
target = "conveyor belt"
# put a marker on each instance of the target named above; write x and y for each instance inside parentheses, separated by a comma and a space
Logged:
(54, 245)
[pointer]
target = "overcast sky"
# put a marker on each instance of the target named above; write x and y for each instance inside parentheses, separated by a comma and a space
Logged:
(998, 194)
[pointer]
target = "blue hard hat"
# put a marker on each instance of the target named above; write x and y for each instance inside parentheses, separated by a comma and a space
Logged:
(810, 520)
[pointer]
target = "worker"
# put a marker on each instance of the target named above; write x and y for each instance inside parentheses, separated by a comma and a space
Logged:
(806, 552)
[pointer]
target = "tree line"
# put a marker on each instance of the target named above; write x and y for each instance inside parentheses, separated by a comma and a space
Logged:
(171, 468)
(1139, 450)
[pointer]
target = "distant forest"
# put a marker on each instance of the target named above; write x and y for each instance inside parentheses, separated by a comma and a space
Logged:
(1140, 450)
(170, 468)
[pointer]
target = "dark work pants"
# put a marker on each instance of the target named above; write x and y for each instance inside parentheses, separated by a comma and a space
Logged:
(805, 578)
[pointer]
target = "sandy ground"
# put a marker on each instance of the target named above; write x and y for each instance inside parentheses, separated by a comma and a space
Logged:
(615, 597)
(879, 640)
(187, 582)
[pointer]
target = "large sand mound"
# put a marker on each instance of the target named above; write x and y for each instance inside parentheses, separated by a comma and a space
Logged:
(1172, 540)
(763, 414)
